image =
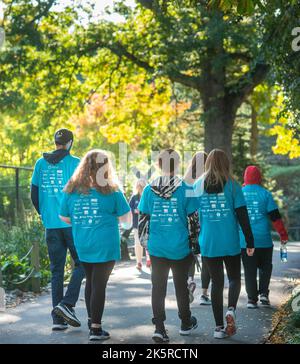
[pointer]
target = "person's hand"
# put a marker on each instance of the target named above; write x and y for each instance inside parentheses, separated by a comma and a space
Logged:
(250, 252)
(284, 242)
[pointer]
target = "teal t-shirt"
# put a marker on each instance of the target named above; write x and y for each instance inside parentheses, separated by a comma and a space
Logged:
(51, 179)
(219, 235)
(259, 203)
(168, 232)
(95, 224)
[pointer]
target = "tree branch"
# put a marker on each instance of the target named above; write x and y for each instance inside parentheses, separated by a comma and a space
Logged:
(45, 8)
(243, 88)
(148, 4)
(121, 51)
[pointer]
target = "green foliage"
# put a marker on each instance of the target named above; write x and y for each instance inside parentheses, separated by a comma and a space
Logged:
(15, 242)
(279, 20)
(242, 7)
(288, 179)
(292, 323)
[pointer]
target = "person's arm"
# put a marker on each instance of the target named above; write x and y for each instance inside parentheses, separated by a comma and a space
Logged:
(64, 213)
(34, 188)
(126, 220)
(194, 231)
(278, 225)
(65, 219)
(243, 219)
(240, 208)
(143, 228)
(34, 194)
(123, 211)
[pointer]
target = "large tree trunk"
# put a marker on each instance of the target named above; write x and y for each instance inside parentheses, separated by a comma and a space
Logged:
(219, 109)
(218, 129)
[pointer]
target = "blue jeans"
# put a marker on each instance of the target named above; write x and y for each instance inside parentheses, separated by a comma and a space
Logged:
(59, 241)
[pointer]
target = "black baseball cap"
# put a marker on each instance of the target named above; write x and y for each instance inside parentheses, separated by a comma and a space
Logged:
(63, 136)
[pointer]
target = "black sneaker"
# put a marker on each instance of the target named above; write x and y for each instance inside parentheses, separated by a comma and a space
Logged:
(160, 335)
(67, 313)
(97, 334)
(59, 324)
(188, 329)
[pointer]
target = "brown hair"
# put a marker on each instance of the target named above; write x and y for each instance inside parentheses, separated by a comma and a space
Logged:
(217, 169)
(94, 171)
(168, 160)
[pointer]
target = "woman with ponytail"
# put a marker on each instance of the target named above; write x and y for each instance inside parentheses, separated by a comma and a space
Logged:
(222, 208)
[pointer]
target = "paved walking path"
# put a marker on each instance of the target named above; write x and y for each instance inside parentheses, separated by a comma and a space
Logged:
(128, 311)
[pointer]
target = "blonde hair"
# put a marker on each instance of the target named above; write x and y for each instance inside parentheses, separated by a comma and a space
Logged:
(217, 168)
(140, 182)
(94, 171)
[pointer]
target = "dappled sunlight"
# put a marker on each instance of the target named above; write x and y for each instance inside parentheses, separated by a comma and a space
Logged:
(6, 318)
(128, 311)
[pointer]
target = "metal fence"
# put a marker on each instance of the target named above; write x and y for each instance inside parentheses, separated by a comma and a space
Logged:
(14, 190)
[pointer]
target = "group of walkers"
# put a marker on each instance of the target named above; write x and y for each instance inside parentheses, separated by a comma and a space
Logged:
(82, 205)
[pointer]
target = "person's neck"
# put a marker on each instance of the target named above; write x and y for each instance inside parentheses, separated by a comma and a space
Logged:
(60, 147)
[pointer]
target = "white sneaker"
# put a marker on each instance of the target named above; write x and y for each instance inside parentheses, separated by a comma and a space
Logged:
(220, 333)
(230, 319)
(252, 304)
(205, 301)
(264, 300)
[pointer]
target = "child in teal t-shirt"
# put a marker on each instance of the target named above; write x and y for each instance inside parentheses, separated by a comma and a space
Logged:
(262, 211)
(168, 202)
(94, 205)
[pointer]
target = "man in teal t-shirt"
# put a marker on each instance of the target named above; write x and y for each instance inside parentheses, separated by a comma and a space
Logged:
(51, 173)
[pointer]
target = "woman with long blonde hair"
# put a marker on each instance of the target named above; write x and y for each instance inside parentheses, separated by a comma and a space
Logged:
(222, 208)
(94, 205)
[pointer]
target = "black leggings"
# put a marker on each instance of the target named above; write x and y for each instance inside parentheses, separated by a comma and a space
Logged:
(216, 271)
(97, 275)
(205, 277)
(159, 276)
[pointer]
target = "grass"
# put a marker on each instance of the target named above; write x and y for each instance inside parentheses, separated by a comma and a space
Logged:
(286, 324)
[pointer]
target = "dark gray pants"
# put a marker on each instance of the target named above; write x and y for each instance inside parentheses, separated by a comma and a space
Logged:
(261, 261)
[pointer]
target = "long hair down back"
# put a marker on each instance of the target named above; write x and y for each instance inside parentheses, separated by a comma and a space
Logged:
(94, 171)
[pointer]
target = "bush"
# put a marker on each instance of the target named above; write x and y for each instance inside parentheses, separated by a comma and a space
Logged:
(15, 242)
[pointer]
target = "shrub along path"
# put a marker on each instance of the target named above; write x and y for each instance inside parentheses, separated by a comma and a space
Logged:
(128, 311)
